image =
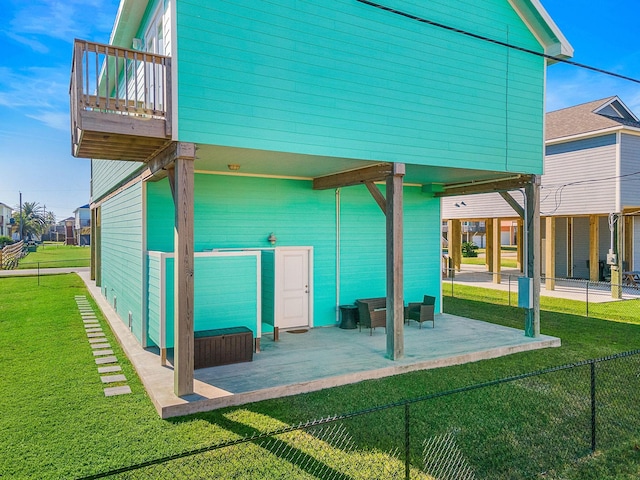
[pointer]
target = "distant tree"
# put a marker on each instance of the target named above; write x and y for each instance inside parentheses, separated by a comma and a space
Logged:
(469, 249)
(32, 219)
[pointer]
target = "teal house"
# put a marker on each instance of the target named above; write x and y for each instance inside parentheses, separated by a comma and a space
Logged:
(260, 163)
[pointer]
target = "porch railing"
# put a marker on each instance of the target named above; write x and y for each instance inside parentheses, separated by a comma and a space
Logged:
(115, 80)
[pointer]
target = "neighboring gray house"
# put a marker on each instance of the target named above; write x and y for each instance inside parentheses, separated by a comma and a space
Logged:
(591, 181)
(82, 226)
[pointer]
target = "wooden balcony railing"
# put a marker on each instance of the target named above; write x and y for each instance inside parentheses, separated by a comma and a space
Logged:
(123, 93)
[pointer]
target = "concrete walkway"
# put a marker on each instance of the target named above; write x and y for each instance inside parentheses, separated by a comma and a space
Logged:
(317, 359)
(43, 271)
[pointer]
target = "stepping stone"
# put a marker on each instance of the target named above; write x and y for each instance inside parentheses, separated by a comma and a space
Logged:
(97, 340)
(113, 378)
(100, 345)
(95, 335)
(99, 353)
(111, 391)
(92, 325)
(103, 360)
(93, 330)
(115, 368)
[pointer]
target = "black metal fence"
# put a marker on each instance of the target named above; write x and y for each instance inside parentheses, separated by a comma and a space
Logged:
(600, 299)
(525, 426)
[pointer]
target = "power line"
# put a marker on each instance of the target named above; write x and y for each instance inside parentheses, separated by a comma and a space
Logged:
(560, 189)
(496, 42)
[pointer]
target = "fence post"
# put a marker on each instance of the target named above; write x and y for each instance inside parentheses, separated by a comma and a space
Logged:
(587, 302)
(509, 294)
(407, 449)
(593, 405)
(452, 271)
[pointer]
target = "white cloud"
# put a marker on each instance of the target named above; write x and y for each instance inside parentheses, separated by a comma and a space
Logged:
(34, 87)
(56, 120)
(35, 45)
(60, 20)
(41, 93)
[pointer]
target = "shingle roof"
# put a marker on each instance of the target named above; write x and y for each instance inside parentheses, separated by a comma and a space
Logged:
(581, 119)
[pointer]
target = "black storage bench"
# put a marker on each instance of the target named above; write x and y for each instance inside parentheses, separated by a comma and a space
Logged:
(222, 346)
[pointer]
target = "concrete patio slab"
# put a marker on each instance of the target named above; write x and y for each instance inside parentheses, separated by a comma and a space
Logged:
(318, 359)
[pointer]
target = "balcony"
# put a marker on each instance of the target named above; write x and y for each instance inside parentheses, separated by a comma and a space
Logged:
(120, 102)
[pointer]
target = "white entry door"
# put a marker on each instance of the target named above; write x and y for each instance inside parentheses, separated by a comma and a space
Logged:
(292, 288)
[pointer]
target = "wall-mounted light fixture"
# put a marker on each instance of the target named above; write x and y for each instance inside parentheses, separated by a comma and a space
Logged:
(234, 167)
(272, 239)
(136, 44)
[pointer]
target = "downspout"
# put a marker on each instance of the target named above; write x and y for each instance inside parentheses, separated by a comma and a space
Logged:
(337, 255)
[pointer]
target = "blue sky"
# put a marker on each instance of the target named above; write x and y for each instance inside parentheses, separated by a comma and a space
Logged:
(36, 43)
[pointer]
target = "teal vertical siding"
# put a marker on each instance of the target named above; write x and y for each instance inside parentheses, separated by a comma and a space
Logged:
(122, 255)
(240, 212)
(344, 79)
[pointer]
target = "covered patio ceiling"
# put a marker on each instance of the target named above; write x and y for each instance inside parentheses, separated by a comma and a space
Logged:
(210, 158)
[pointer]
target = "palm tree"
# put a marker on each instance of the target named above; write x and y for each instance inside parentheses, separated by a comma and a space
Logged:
(32, 221)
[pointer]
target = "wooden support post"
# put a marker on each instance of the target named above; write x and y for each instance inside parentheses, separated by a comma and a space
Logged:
(488, 251)
(570, 247)
(627, 246)
(455, 244)
(594, 248)
(93, 244)
(98, 246)
(497, 251)
(616, 270)
(163, 357)
(550, 253)
(532, 219)
(395, 287)
(519, 245)
(451, 270)
(183, 175)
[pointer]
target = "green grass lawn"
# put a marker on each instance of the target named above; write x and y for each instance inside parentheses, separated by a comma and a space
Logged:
(507, 260)
(57, 423)
(52, 255)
